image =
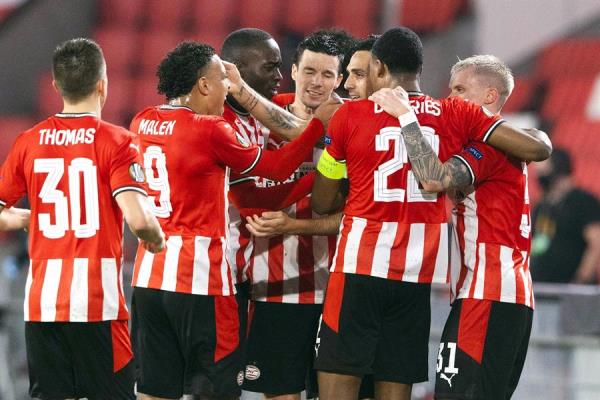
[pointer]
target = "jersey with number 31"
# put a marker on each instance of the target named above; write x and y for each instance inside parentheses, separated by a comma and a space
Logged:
(72, 166)
(391, 228)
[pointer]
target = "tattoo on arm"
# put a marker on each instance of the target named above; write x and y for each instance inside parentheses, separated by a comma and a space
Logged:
(282, 119)
(426, 165)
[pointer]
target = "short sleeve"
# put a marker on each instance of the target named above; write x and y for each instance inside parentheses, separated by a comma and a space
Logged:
(475, 121)
(232, 149)
(13, 185)
(481, 160)
(337, 132)
(126, 171)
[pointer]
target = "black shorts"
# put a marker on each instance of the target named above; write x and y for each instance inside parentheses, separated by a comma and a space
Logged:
(375, 326)
(482, 350)
(80, 359)
(280, 347)
(186, 344)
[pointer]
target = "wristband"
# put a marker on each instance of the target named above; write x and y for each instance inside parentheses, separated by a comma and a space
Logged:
(407, 118)
(331, 168)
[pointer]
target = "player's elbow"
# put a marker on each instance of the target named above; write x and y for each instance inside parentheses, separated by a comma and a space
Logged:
(542, 152)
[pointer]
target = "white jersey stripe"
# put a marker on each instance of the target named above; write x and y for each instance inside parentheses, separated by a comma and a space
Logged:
(169, 282)
(440, 273)
(145, 269)
(110, 284)
(480, 279)
(291, 276)
(353, 244)
(508, 282)
(382, 253)
(50, 289)
(79, 291)
(525, 279)
(225, 268)
(201, 271)
(414, 253)
(27, 291)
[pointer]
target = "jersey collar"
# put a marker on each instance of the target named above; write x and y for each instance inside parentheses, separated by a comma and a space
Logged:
(174, 107)
(75, 115)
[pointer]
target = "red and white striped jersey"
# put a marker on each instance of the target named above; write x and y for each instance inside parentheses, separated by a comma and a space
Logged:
(240, 240)
(391, 228)
(186, 158)
(72, 166)
(292, 268)
(492, 230)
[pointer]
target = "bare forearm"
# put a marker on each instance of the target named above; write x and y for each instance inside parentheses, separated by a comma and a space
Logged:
(284, 123)
(588, 268)
(327, 225)
(434, 175)
(14, 219)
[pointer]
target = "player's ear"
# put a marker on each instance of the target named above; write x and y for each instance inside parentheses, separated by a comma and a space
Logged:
(339, 80)
(203, 85)
(55, 86)
(381, 69)
(294, 71)
(102, 90)
(491, 95)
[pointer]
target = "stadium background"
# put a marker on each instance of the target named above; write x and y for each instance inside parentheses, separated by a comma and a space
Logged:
(553, 47)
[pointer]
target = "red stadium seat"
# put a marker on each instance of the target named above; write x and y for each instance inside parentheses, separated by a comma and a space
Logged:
(356, 16)
(119, 46)
(129, 13)
(154, 46)
(119, 107)
(212, 38)
(10, 127)
(263, 14)
(521, 96)
(559, 99)
(429, 15)
(48, 100)
(569, 58)
(305, 16)
(166, 15)
(146, 93)
(216, 16)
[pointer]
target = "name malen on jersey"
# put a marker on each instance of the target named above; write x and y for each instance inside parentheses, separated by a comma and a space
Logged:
(154, 127)
(66, 137)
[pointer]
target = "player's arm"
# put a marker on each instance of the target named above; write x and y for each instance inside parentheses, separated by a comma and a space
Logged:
(140, 220)
(250, 199)
(282, 122)
(13, 218)
(326, 193)
(524, 144)
(272, 223)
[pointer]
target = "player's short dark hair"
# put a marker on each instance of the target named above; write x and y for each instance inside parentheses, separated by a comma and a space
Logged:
(242, 39)
(400, 49)
(561, 162)
(77, 65)
(367, 43)
(333, 42)
(179, 71)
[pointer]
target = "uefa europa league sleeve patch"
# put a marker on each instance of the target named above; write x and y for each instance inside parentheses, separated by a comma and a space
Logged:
(137, 173)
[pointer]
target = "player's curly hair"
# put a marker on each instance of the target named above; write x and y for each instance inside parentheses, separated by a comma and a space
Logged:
(400, 49)
(333, 42)
(179, 71)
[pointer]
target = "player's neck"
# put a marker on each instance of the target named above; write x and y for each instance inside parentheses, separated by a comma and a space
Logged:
(89, 105)
(236, 106)
(410, 83)
(300, 110)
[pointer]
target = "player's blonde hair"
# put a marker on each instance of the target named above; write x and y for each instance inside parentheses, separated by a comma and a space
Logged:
(499, 74)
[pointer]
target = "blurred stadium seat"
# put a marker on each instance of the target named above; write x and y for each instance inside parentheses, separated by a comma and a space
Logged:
(521, 96)
(356, 16)
(207, 17)
(568, 58)
(263, 14)
(129, 13)
(163, 15)
(313, 13)
(429, 15)
(48, 99)
(567, 95)
(119, 46)
(145, 93)
(10, 127)
(154, 46)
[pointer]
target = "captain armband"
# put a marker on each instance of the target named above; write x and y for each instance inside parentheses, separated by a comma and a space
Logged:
(331, 168)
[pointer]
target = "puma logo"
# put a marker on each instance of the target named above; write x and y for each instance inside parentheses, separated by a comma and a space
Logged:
(445, 377)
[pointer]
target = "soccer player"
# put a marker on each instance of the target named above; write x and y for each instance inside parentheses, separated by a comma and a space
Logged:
(81, 175)
(184, 310)
(393, 243)
(478, 357)
(289, 273)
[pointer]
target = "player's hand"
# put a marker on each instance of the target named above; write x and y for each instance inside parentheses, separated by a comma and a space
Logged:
(155, 247)
(326, 110)
(458, 195)
(393, 101)
(271, 223)
(235, 79)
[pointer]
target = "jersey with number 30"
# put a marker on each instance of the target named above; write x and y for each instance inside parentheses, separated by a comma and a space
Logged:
(72, 166)
(391, 228)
